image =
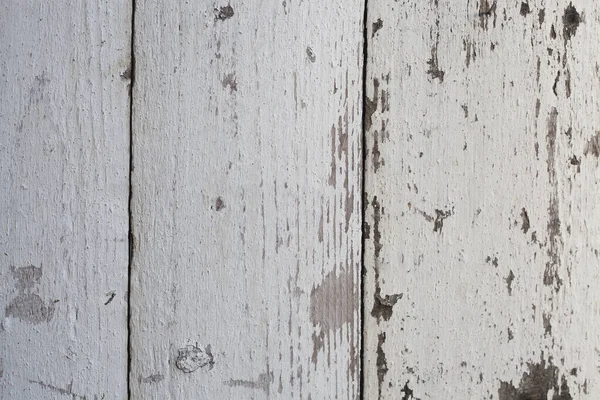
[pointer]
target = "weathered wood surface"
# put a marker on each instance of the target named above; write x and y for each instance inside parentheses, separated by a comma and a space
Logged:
(482, 188)
(246, 200)
(64, 161)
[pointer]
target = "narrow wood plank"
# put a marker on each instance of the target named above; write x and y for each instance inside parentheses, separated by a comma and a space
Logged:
(64, 161)
(482, 188)
(246, 200)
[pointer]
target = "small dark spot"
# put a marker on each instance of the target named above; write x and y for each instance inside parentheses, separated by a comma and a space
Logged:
(463, 364)
(440, 216)
(230, 80)
(509, 280)
(223, 13)
(494, 260)
(541, 16)
(219, 204)
(552, 32)
(525, 9)
(571, 20)
(511, 336)
(525, 225)
(311, 55)
(575, 161)
(377, 26)
(574, 372)
(111, 295)
(383, 306)
(192, 357)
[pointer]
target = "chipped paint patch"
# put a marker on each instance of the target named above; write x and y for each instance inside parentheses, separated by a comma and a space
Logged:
(192, 357)
(223, 13)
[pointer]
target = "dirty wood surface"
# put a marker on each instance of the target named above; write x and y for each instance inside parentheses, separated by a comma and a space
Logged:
(246, 200)
(64, 162)
(482, 252)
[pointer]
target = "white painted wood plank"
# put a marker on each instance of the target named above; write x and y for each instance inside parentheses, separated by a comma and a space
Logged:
(64, 161)
(482, 187)
(246, 200)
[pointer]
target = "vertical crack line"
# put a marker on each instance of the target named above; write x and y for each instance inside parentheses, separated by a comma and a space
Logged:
(130, 236)
(362, 351)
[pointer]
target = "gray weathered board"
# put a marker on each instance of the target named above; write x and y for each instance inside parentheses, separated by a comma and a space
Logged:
(246, 200)
(481, 228)
(483, 203)
(64, 168)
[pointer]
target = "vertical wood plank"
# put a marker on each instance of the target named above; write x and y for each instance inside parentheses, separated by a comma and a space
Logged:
(482, 189)
(64, 161)
(246, 200)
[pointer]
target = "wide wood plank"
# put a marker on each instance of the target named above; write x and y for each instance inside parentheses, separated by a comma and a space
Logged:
(482, 187)
(246, 200)
(64, 162)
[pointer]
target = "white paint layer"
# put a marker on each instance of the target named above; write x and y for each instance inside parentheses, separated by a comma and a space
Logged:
(64, 160)
(246, 200)
(482, 186)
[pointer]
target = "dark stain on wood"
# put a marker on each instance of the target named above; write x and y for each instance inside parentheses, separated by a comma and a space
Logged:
(434, 69)
(553, 227)
(312, 57)
(440, 216)
(593, 146)
(547, 322)
(230, 81)
(26, 306)
(524, 9)
(333, 304)
(525, 225)
(571, 20)
(509, 280)
(381, 363)
(371, 105)
(219, 204)
(383, 306)
(485, 12)
(407, 393)
(536, 383)
(554, 86)
(377, 25)
(541, 16)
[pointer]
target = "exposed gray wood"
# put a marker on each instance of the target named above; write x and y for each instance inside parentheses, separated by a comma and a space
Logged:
(482, 188)
(246, 200)
(64, 160)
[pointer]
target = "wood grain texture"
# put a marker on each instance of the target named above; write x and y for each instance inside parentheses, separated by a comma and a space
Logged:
(64, 161)
(246, 200)
(482, 191)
